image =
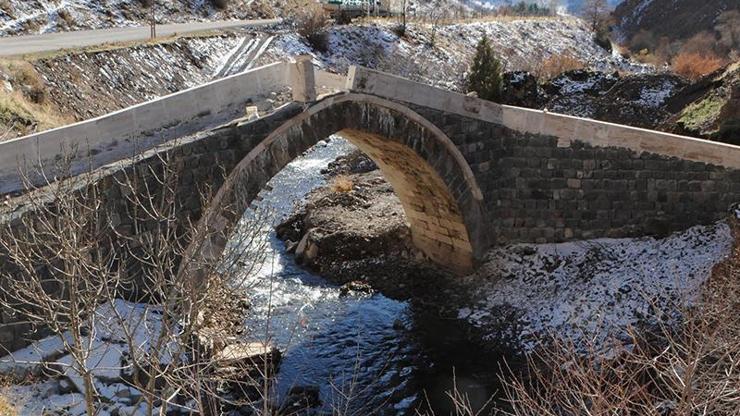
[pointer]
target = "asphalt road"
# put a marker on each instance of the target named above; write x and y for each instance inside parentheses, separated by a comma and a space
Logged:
(19, 45)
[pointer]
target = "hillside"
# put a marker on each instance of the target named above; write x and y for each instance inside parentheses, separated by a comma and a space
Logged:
(440, 55)
(677, 19)
(43, 16)
(87, 84)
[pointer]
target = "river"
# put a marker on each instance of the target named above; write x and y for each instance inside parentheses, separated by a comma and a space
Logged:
(367, 354)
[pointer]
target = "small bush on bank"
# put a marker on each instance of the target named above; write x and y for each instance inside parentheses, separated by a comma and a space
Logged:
(25, 75)
(6, 408)
(485, 72)
(694, 65)
(342, 184)
(66, 16)
(399, 30)
(310, 22)
(601, 38)
(343, 18)
(6, 7)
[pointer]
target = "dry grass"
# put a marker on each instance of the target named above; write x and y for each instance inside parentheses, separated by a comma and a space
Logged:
(26, 109)
(311, 22)
(6, 7)
(66, 16)
(8, 403)
(342, 184)
(19, 116)
(687, 369)
(6, 408)
(556, 65)
(22, 73)
(694, 65)
(457, 20)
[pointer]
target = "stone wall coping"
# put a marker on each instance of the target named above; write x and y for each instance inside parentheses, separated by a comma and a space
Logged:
(566, 128)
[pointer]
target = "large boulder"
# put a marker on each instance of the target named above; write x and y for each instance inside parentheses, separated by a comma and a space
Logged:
(520, 88)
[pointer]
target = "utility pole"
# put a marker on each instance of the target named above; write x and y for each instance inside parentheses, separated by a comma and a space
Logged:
(403, 13)
(152, 21)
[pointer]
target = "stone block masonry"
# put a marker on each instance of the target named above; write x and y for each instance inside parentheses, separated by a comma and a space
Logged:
(537, 190)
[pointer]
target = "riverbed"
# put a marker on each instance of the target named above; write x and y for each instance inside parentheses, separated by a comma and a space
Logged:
(368, 354)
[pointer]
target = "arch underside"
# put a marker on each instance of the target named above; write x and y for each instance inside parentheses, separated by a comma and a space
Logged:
(432, 180)
(437, 226)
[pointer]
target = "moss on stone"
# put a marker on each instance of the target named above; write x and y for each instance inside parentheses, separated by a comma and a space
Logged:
(702, 115)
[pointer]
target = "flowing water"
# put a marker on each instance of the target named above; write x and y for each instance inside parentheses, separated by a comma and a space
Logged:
(367, 354)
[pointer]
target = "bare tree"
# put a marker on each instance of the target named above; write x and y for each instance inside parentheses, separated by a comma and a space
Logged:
(595, 12)
(70, 263)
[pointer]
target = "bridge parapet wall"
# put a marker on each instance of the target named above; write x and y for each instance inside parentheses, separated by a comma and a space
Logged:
(550, 178)
(199, 161)
(121, 134)
(566, 129)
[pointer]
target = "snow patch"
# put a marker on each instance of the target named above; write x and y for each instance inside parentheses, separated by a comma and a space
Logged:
(593, 291)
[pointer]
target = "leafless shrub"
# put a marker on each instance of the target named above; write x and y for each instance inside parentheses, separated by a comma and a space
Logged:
(702, 42)
(71, 257)
(6, 7)
(25, 75)
(556, 65)
(221, 4)
(66, 17)
(311, 23)
(693, 65)
(342, 184)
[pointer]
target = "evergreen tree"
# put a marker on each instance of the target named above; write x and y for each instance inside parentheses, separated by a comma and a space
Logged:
(485, 73)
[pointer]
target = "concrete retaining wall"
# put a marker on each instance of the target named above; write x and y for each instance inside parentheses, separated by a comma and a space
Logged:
(118, 135)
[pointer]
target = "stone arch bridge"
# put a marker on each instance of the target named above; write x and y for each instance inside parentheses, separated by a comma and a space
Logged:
(469, 173)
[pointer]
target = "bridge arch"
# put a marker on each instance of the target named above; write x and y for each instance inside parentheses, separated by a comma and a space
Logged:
(435, 184)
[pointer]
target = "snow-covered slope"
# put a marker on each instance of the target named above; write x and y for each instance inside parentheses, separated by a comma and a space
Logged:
(572, 6)
(42, 16)
(440, 55)
(591, 292)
